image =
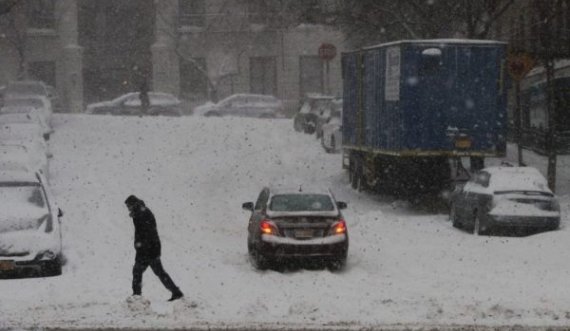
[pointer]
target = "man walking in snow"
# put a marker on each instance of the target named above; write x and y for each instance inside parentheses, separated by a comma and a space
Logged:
(147, 246)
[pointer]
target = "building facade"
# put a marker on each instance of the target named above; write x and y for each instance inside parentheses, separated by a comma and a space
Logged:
(195, 49)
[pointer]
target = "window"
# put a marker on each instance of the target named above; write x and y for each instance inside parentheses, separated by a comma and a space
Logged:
(193, 82)
(41, 14)
(312, 12)
(43, 71)
(191, 12)
(262, 73)
(301, 202)
(257, 11)
(261, 202)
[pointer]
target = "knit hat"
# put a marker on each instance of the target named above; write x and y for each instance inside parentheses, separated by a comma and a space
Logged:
(132, 200)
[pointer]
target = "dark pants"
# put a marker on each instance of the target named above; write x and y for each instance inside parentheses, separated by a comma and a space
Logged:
(143, 262)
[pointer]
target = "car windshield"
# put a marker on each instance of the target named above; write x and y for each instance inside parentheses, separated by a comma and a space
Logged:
(26, 89)
(301, 202)
(22, 193)
(21, 102)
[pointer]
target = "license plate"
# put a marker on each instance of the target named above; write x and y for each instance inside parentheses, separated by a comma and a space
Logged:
(7, 265)
(463, 143)
(304, 233)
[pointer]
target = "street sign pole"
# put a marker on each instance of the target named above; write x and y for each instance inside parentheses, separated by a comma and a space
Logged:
(327, 52)
(519, 64)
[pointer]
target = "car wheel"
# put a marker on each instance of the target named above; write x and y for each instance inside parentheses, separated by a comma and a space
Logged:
(258, 261)
(337, 264)
(328, 150)
(453, 216)
(52, 268)
(478, 227)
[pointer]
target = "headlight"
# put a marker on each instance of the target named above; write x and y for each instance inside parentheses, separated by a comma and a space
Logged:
(46, 255)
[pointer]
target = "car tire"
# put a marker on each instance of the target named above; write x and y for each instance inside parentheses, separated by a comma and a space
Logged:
(258, 261)
(453, 216)
(337, 264)
(478, 227)
(52, 268)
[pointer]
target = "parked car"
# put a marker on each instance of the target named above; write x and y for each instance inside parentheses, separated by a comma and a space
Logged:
(24, 117)
(28, 135)
(295, 224)
(23, 104)
(245, 105)
(333, 108)
(30, 231)
(161, 104)
(26, 88)
(315, 108)
(511, 198)
(17, 156)
(331, 138)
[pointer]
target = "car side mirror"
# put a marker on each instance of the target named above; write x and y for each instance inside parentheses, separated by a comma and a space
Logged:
(247, 206)
(59, 212)
(341, 205)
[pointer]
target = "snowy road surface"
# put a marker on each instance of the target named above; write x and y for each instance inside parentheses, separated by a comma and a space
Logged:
(405, 266)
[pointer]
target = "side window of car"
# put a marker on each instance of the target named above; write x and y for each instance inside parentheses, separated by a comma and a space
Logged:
(261, 202)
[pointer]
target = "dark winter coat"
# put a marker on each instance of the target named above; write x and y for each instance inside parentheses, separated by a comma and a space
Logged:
(147, 242)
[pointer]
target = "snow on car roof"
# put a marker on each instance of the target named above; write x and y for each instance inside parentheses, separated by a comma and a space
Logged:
(300, 189)
(516, 179)
(7, 176)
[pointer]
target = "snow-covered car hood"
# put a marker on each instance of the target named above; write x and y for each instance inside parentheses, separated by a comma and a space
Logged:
(23, 231)
(98, 105)
(21, 217)
(203, 109)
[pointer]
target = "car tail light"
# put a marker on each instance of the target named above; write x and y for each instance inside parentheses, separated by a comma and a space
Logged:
(268, 227)
(338, 227)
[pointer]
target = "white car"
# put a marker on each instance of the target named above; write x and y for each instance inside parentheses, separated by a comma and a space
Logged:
(245, 105)
(27, 88)
(30, 230)
(512, 199)
(24, 132)
(161, 104)
(20, 104)
(331, 138)
(19, 157)
(29, 117)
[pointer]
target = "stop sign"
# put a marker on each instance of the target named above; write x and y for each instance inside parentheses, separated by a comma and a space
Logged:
(327, 51)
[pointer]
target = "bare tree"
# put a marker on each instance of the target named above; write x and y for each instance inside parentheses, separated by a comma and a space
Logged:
(7, 5)
(384, 20)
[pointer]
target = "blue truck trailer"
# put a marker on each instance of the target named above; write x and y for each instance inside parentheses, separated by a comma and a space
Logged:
(411, 109)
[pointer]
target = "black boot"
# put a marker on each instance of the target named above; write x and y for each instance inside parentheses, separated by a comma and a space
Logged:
(176, 295)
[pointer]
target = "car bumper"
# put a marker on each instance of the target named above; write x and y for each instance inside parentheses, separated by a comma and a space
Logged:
(15, 268)
(279, 247)
(545, 222)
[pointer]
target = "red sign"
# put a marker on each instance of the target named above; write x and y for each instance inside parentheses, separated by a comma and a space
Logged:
(519, 64)
(327, 51)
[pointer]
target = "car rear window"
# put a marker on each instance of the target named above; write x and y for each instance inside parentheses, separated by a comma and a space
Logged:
(301, 202)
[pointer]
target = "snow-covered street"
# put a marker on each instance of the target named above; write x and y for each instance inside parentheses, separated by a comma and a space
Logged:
(406, 266)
